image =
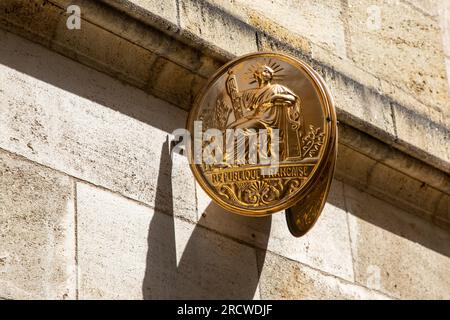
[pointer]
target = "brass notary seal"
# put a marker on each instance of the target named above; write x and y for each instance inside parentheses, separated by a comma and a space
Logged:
(264, 138)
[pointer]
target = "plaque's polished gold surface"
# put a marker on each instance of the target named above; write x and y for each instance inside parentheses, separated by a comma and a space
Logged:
(282, 95)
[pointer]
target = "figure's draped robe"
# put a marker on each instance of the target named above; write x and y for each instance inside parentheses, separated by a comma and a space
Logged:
(267, 107)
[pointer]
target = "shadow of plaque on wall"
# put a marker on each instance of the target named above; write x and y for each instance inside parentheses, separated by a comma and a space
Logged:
(211, 266)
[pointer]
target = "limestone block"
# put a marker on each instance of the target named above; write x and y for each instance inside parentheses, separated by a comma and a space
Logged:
(103, 49)
(326, 247)
(320, 22)
(361, 106)
(208, 22)
(117, 41)
(137, 33)
(129, 251)
(38, 17)
(443, 210)
(415, 131)
(398, 187)
(444, 19)
(353, 167)
(393, 186)
(285, 279)
(174, 83)
(155, 9)
(406, 50)
(254, 231)
(431, 7)
(84, 123)
(37, 235)
(352, 141)
(395, 252)
(358, 105)
(114, 43)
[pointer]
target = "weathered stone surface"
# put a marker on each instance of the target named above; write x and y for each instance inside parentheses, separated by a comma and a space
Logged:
(444, 19)
(443, 210)
(395, 252)
(136, 33)
(199, 18)
(285, 279)
(282, 41)
(361, 107)
(174, 83)
(37, 236)
(353, 167)
(131, 29)
(165, 10)
(404, 49)
(103, 49)
(86, 124)
(114, 43)
(431, 7)
(128, 251)
(374, 149)
(393, 186)
(325, 247)
(396, 187)
(38, 17)
(447, 64)
(136, 61)
(305, 19)
(415, 131)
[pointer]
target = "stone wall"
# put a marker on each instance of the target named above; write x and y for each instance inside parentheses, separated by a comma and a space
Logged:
(92, 205)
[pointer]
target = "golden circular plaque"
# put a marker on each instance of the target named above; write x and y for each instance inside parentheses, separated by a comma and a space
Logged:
(263, 138)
